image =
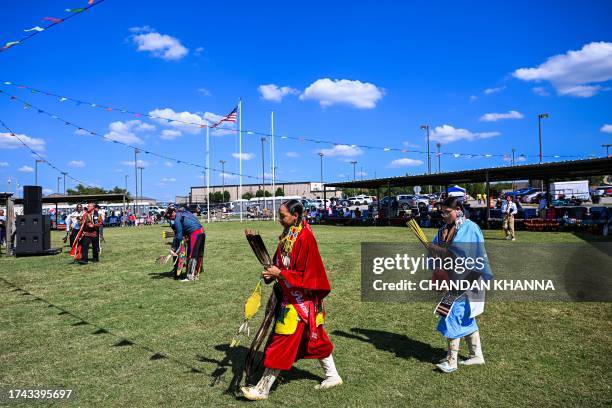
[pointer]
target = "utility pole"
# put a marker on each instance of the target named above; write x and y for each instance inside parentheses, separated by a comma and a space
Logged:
(58, 183)
(607, 147)
(438, 145)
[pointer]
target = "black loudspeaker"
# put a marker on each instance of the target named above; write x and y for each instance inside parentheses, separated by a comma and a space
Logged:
(33, 223)
(32, 200)
(33, 234)
(32, 243)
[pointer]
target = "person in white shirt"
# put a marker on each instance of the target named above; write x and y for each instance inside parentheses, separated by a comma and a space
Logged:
(509, 210)
(73, 223)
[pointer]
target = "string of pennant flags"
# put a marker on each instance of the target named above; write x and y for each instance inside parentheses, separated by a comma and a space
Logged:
(78, 102)
(27, 105)
(50, 22)
(42, 158)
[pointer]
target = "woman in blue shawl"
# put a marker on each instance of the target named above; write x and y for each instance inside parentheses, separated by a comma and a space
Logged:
(461, 238)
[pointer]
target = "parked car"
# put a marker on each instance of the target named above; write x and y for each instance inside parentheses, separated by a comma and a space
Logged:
(532, 198)
(408, 201)
(603, 191)
(362, 199)
(522, 192)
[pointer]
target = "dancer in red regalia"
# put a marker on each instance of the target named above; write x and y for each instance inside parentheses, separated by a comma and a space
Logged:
(298, 333)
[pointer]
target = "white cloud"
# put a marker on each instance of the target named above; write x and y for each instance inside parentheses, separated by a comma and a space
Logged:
(274, 93)
(342, 151)
(490, 91)
(540, 90)
(405, 162)
(4, 164)
(81, 132)
(575, 73)
(494, 117)
(198, 51)
(7, 141)
(158, 45)
(168, 164)
(26, 169)
(188, 122)
(292, 154)
(47, 191)
(169, 134)
(362, 95)
(168, 180)
(361, 174)
(245, 156)
(141, 163)
(76, 163)
(606, 128)
(447, 134)
(125, 132)
(204, 91)
(473, 98)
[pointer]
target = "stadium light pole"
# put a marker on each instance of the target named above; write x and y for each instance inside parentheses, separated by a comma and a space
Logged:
(58, 183)
(124, 201)
(321, 156)
(141, 168)
(36, 170)
(263, 167)
(354, 162)
(540, 117)
(136, 151)
(607, 147)
(223, 177)
(426, 128)
(64, 173)
(438, 145)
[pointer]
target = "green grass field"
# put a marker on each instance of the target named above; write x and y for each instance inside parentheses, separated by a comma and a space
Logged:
(121, 333)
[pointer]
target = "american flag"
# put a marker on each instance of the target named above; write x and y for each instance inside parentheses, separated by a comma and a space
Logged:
(230, 117)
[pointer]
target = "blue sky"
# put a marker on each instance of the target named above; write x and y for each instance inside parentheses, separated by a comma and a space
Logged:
(362, 73)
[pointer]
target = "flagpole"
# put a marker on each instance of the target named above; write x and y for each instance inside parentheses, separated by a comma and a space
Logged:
(240, 157)
(273, 169)
(207, 174)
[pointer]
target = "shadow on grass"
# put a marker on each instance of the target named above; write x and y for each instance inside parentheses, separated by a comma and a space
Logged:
(162, 275)
(234, 360)
(402, 346)
(121, 341)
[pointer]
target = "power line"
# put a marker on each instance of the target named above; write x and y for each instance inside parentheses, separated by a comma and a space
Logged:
(140, 149)
(136, 114)
(42, 158)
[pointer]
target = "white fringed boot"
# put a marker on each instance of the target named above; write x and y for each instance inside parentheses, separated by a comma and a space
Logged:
(475, 350)
(262, 389)
(332, 378)
(450, 364)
